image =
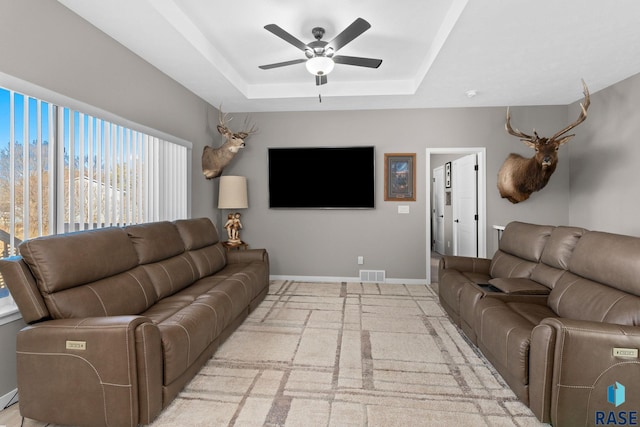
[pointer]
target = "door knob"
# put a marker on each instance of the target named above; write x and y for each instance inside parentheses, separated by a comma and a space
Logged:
(457, 220)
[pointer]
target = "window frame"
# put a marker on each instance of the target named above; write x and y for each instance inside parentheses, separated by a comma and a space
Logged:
(8, 310)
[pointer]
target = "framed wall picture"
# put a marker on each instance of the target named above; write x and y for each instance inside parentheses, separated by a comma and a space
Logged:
(400, 177)
(447, 175)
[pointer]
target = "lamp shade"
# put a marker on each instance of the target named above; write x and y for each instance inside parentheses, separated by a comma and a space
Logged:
(320, 65)
(232, 193)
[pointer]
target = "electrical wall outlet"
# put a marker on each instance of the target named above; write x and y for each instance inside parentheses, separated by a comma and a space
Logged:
(360, 260)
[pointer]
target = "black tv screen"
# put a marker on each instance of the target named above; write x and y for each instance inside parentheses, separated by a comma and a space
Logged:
(322, 177)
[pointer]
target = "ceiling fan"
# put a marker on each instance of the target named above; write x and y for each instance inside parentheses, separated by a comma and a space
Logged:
(321, 55)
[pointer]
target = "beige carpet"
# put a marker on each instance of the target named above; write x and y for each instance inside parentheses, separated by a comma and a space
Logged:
(351, 354)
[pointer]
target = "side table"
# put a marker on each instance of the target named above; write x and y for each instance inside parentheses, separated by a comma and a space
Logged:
(235, 246)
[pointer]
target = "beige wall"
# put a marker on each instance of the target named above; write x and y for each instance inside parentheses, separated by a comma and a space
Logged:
(8, 378)
(605, 160)
(46, 44)
(328, 242)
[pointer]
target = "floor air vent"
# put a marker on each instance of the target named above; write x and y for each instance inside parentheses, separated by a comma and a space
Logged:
(372, 276)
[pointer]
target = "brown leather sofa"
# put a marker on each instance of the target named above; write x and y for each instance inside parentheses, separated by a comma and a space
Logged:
(561, 350)
(519, 252)
(120, 319)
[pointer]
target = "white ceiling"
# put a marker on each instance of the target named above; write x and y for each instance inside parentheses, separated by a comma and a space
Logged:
(511, 52)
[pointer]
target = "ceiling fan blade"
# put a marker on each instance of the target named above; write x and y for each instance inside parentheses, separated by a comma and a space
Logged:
(321, 80)
(356, 28)
(282, 64)
(355, 60)
(273, 28)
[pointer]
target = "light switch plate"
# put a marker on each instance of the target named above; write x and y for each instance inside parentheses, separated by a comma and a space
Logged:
(403, 209)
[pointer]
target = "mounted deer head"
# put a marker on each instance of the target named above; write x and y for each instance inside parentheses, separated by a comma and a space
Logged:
(214, 160)
(519, 177)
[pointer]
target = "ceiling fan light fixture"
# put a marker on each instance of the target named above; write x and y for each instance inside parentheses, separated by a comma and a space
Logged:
(320, 65)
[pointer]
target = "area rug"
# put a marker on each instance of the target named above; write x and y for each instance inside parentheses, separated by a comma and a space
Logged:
(347, 354)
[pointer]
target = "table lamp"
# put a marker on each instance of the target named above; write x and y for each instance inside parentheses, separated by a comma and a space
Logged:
(232, 194)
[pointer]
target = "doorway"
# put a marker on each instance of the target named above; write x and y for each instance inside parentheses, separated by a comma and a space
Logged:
(479, 153)
(437, 206)
(465, 205)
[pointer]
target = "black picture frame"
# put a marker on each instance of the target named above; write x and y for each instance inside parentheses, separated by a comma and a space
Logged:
(447, 175)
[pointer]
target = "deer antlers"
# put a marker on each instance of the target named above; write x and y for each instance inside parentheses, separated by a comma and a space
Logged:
(532, 140)
(583, 115)
(223, 126)
(519, 177)
(214, 160)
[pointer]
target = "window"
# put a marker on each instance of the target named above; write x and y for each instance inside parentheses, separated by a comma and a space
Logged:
(65, 170)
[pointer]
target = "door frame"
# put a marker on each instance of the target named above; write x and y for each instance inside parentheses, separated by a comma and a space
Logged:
(434, 216)
(482, 197)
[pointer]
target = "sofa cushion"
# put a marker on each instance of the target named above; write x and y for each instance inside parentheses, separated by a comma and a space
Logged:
(89, 283)
(577, 298)
(209, 260)
(197, 233)
(126, 293)
(201, 241)
(507, 265)
(526, 241)
(171, 275)
(191, 319)
(185, 335)
(96, 254)
(546, 275)
(602, 283)
(155, 241)
(504, 335)
(519, 250)
(161, 250)
(560, 246)
(554, 260)
(611, 259)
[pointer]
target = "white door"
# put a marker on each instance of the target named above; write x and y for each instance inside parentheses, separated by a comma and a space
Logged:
(465, 205)
(438, 210)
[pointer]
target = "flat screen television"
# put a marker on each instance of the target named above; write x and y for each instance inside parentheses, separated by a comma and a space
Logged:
(322, 177)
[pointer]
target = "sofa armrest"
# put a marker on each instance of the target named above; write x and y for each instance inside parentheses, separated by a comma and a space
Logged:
(91, 371)
(519, 286)
(573, 364)
(249, 255)
(23, 288)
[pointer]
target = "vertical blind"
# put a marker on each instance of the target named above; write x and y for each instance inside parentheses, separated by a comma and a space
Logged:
(63, 170)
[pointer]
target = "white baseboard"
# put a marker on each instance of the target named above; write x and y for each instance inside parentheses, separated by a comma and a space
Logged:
(11, 397)
(333, 279)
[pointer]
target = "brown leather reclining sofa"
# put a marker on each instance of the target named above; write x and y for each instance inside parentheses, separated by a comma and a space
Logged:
(120, 319)
(557, 312)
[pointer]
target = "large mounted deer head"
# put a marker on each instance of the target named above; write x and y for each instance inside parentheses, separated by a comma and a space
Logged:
(214, 160)
(519, 177)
